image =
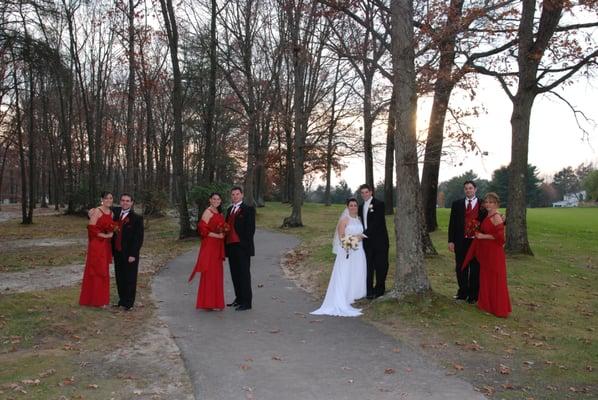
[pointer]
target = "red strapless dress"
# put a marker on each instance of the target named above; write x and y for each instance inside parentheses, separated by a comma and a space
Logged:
(210, 264)
(95, 289)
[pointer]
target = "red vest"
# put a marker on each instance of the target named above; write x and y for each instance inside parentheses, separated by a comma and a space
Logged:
(470, 216)
(232, 236)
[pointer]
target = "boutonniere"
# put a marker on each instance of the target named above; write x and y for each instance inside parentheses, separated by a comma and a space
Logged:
(371, 208)
(125, 221)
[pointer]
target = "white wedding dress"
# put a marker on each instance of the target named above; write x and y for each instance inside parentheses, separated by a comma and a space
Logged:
(348, 279)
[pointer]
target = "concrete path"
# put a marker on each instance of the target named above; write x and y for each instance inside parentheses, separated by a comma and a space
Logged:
(278, 351)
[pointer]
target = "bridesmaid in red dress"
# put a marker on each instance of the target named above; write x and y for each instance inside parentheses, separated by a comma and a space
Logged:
(95, 289)
(212, 229)
(488, 249)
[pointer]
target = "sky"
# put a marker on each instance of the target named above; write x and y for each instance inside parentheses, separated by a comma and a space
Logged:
(555, 139)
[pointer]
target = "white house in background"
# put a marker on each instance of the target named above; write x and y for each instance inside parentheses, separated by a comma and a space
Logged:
(571, 199)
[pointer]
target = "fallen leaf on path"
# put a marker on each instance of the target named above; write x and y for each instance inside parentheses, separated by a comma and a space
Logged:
(389, 371)
(92, 386)
(503, 369)
(396, 350)
(458, 367)
(276, 357)
(274, 331)
(46, 373)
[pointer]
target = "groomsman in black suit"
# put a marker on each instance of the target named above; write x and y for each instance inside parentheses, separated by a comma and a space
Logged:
(126, 245)
(466, 213)
(373, 218)
(239, 248)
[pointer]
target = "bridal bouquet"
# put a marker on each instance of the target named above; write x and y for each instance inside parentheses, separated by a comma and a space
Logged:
(472, 227)
(349, 243)
(223, 228)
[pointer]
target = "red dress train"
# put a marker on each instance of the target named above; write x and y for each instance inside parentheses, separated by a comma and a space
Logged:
(494, 292)
(210, 263)
(95, 289)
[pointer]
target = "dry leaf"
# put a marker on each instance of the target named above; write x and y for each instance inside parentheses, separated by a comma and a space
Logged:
(276, 358)
(503, 369)
(458, 367)
(396, 350)
(389, 371)
(48, 372)
(92, 386)
(274, 331)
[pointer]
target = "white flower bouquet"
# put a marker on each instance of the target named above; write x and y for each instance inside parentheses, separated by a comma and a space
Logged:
(350, 243)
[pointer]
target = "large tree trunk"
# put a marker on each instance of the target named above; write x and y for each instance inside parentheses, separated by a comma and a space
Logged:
(177, 107)
(130, 100)
(300, 120)
(410, 276)
(442, 93)
(389, 162)
(517, 241)
(209, 157)
(368, 122)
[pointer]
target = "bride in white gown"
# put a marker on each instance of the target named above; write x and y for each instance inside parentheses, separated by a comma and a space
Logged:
(348, 279)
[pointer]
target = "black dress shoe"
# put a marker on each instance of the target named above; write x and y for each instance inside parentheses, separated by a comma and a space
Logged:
(242, 308)
(233, 304)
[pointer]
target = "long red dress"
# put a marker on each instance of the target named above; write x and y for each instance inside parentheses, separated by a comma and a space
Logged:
(494, 292)
(210, 263)
(95, 289)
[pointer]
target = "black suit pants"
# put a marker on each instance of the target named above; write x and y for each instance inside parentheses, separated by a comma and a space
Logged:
(468, 278)
(377, 265)
(126, 279)
(240, 265)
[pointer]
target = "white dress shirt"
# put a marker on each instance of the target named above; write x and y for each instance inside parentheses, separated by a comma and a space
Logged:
(235, 207)
(474, 201)
(366, 209)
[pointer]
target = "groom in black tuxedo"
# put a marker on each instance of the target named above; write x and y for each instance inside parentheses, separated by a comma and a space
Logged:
(464, 213)
(126, 245)
(239, 248)
(371, 213)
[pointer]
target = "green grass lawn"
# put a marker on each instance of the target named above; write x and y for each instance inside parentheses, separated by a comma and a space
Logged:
(547, 348)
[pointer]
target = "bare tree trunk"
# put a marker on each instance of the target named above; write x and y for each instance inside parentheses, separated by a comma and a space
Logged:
(299, 69)
(209, 157)
(389, 162)
(129, 181)
(410, 276)
(368, 122)
(517, 241)
(443, 88)
(19, 128)
(177, 106)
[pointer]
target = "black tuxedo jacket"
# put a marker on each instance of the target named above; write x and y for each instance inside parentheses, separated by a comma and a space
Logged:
(376, 221)
(132, 233)
(456, 229)
(244, 226)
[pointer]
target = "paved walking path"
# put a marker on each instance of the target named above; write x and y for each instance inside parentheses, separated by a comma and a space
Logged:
(278, 351)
